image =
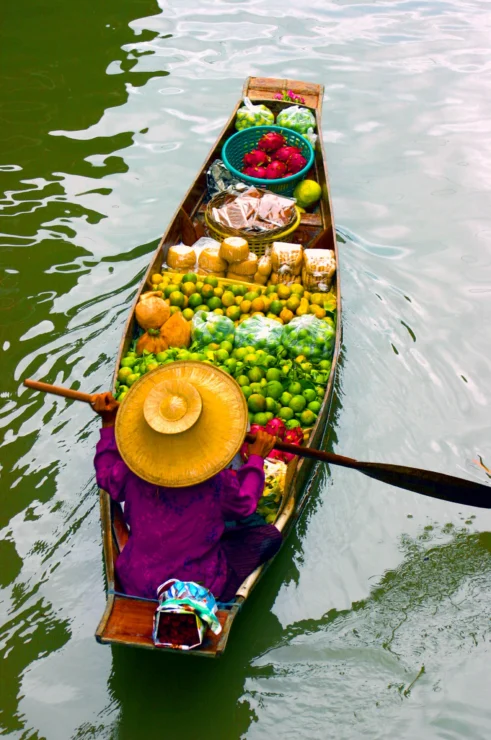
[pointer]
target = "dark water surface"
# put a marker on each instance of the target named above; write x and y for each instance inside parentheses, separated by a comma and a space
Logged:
(374, 622)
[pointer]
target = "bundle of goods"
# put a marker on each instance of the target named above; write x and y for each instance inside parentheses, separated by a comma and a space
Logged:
(253, 115)
(253, 210)
(319, 266)
(308, 336)
(301, 120)
(286, 263)
(211, 263)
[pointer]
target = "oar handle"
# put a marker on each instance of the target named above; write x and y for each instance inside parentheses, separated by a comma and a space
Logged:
(327, 457)
(57, 390)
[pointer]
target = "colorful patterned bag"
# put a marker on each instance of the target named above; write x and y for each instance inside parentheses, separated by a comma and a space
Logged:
(185, 611)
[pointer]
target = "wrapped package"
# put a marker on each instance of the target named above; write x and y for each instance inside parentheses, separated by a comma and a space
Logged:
(176, 331)
(309, 336)
(264, 264)
(301, 120)
(284, 278)
(211, 327)
(253, 115)
(210, 260)
(287, 258)
(318, 269)
(260, 279)
(259, 332)
(247, 266)
(253, 210)
(181, 258)
(234, 249)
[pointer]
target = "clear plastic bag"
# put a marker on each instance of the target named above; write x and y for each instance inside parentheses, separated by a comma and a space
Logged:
(211, 327)
(318, 269)
(253, 115)
(308, 336)
(299, 119)
(259, 332)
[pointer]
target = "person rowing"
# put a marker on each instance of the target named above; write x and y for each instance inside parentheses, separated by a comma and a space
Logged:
(164, 454)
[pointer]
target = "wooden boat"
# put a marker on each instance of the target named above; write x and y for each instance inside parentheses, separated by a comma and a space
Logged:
(128, 620)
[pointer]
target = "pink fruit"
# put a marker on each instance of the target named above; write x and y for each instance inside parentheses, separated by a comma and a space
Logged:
(271, 141)
(276, 427)
(296, 163)
(255, 172)
(275, 170)
(284, 154)
(256, 158)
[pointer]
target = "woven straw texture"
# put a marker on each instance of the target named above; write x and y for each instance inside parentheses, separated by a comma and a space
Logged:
(203, 450)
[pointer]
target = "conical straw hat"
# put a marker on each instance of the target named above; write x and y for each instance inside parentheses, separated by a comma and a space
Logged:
(181, 424)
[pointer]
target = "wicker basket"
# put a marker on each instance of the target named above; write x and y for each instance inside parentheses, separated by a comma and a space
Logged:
(246, 140)
(258, 241)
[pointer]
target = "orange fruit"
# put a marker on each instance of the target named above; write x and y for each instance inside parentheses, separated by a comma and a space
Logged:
(257, 304)
(233, 312)
(286, 315)
(245, 306)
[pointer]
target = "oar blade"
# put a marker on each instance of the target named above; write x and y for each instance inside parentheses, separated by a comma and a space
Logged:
(429, 483)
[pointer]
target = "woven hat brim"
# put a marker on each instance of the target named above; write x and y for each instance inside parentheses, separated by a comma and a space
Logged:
(193, 456)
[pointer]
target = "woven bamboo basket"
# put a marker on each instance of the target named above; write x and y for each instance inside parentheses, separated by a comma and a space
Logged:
(258, 241)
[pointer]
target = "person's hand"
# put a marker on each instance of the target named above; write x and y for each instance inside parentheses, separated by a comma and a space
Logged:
(263, 444)
(106, 406)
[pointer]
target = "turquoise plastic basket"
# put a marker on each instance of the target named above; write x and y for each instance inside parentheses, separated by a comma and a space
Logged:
(246, 140)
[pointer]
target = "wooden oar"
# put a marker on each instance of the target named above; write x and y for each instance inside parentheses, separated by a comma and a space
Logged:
(426, 482)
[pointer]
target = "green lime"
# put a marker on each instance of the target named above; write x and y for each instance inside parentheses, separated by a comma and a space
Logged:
(203, 307)
(233, 312)
(275, 307)
(188, 288)
(307, 193)
(183, 355)
(176, 298)
(285, 413)
(271, 404)
(247, 391)
(128, 361)
(320, 391)
(285, 398)
(190, 277)
(222, 355)
(256, 403)
(307, 418)
(219, 311)
(243, 380)
(274, 389)
(240, 353)
(314, 406)
(211, 280)
(207, 291)
(195, 356)
(188, 314)
(132, 378)
(261, 419)
(297, 403)
(194, 300)
(171, 289)
(251, 296)
(175, 309)
(228, 298)
(227, 345)
(325, 364)
(162, 356)
(218, 292)
(292, 424)
(255, 374)
(309, 394)
(257, 388)
(124, 374)
(214, 303)
(273, 373)
(231, 364)
(294, 388)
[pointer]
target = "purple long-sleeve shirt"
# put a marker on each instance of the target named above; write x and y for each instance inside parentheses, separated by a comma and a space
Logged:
(175, 532)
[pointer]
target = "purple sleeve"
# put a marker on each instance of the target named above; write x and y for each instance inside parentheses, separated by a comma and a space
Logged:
(110, 470)
(241, 491)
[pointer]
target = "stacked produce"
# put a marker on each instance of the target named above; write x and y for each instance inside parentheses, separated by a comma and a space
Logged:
(298, 119)
(273, 159)
(253, 115)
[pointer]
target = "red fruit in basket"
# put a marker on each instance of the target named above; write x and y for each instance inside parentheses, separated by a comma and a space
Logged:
(271, 141)
(255, 172)
(275, 170)
(256, 158)
(296, 163)
(284, 154)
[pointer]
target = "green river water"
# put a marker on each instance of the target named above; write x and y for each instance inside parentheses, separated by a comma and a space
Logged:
(374, 621)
